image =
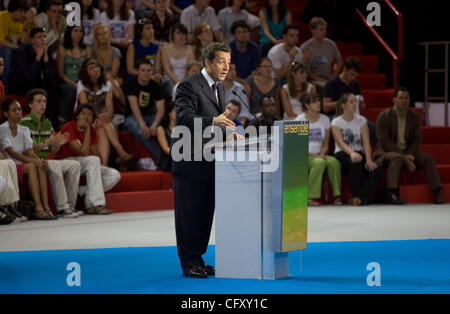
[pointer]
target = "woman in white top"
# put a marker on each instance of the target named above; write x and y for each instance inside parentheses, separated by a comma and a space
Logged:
(294, 90)
(175, 57)
(353, 150)
(17, 145)
(319, 161)
(120, 21)
(94, 89)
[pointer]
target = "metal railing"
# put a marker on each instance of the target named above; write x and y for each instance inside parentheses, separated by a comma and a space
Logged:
(396, 57)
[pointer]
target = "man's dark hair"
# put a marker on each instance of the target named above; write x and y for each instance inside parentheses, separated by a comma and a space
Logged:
(210, 51)
(287, 28)
(352, 63)
(29, 97)
(239, 24)
(142, 61)
(36, 30)
(54, 2)
(85, 106)
(16, 5)
(400, 89)
(236, 103)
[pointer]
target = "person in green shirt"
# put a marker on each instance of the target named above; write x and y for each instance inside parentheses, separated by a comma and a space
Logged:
(64, 175)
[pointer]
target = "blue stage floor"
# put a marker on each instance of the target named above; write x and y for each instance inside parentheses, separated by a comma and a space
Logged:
(416, 266)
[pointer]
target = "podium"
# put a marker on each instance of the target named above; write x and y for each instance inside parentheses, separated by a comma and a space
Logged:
(261, 202)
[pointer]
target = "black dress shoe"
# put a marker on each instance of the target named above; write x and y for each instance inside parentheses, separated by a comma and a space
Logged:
(195, 271)
(394, 199)
(209, 270)
(437, 197)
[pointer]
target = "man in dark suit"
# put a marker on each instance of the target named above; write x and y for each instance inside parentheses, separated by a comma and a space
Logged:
(399, 140)
(200, 100)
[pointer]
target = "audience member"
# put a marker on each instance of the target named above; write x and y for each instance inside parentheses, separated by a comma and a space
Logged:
(269, 112)
(120, 21)
(351, 135)
(83, 147)
(274, 18)
(201, 12)
(175, 57)
(9, 192)
(17, 145)
(109, 58)
(399, 140)
(201, 38)
(141, 8)
(285, 53)
(11, 33)
(162, 19)
(192, 68)
(294, 90)
(245, 54)
(143, 47)
(344, 83)
(236, 11)
(145, 108)
(69, 58)
(64, 175)
(319, 161)
(323, 53)
(163, 135)
(262, 85)
(235, 91)
(90, 18)
(94, 89)
(54, 24)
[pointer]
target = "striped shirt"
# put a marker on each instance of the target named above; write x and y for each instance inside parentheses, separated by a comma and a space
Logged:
(38, 134)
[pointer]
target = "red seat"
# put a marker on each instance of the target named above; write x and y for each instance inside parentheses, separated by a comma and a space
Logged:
(372, 81)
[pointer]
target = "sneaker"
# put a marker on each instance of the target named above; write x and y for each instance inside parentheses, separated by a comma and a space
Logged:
(5, 220)
(99, 210)
(16, 213)
(67, 213)
(8, 214)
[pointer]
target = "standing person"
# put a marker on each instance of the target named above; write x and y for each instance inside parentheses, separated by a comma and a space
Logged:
(319, 161)
(351, 134)
(399, 140)
(198, 96)
(64, 175)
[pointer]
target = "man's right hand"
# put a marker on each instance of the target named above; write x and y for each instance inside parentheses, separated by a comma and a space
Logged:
(223, 122)
(409, 161)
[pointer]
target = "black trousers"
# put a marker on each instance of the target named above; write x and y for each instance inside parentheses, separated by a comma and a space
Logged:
(194, 213)
(363, 182)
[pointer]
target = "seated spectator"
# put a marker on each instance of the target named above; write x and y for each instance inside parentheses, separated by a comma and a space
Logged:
(202, 37)
(323, 53)
(69, 58)
(163, 135)
(94, 89)
(245, 54)
(262, 85)
(351, 135)
(236, 11)
(32, 68)
(143, 47)
(285, 53)
(9, 191)
(319, 161)
(145, 108)
(17, 145)
(54, 24)
(399, 140)
(192, 68)
(141, 8)
(344, 83)
(269, 111)
(11, 32)
(175, 57)
(64, 175)
(120, 21)
(109, 58)
(162, 19)
(294, 90)
(274, 18)
(201, 12)
(90, 18)
(83, 147)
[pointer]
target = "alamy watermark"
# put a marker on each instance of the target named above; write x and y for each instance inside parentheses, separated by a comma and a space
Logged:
(374, 17)
(74, 14)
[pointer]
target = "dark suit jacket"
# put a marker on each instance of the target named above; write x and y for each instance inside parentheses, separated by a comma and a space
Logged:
(196, 99)
(387, 133)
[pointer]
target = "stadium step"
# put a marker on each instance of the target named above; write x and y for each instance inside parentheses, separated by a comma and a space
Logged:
(140, 201)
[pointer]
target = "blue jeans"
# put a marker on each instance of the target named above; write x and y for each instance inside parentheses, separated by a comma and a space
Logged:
(150, 144)
(7, 55)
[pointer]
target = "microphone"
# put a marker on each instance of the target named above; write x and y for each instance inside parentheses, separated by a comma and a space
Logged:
(243, 102)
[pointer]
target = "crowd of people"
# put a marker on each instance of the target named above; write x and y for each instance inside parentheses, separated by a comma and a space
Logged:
(119, 70)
